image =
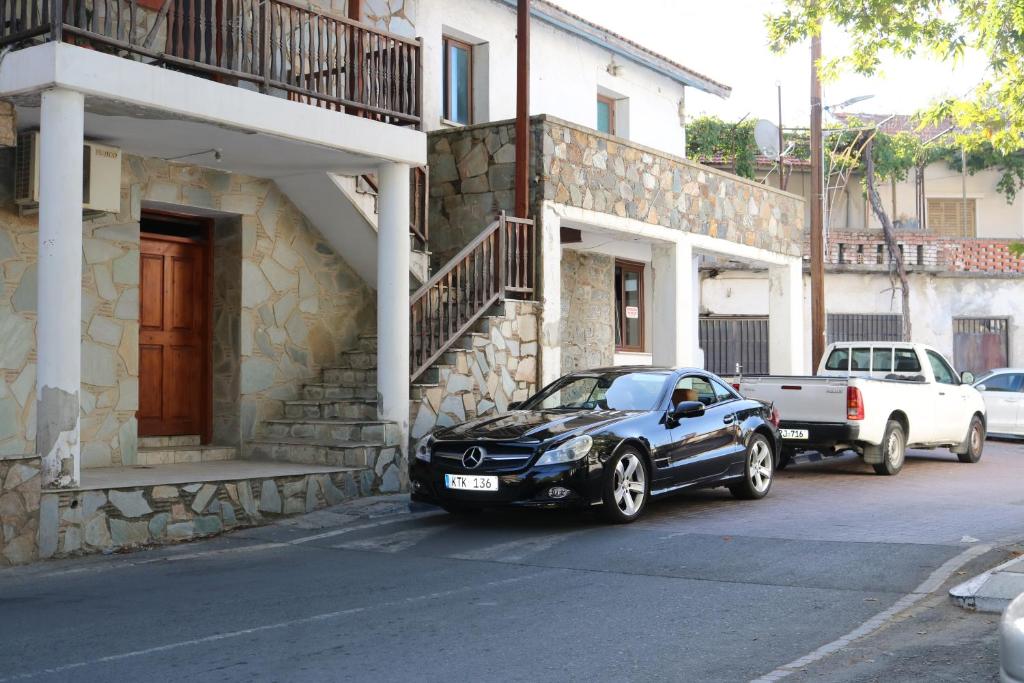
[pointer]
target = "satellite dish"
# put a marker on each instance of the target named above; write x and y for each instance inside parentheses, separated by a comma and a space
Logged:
(766, 136)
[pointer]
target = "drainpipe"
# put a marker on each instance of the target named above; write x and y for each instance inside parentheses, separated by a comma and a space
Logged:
(523, 109)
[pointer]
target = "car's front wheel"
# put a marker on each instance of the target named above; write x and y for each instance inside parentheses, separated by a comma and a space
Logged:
(626, 486)
(759, 470)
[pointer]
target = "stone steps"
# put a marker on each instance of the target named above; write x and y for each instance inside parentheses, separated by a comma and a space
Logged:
(168, 441)
(341, 392)
(318, 452)
(363, 431)
(331, 408)
(350, 376)
(170, 455)
(357, 359)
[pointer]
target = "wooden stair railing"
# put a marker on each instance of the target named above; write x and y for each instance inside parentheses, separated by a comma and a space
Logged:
(498, 263)
(419, 202)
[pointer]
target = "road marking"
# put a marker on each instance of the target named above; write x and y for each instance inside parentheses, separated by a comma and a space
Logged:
(393, 543)
(223, 551)
(514, 551)
(326, 616)
(928, 586)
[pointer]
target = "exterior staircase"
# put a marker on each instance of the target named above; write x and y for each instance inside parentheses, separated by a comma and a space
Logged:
(335, 423)
(174, 450)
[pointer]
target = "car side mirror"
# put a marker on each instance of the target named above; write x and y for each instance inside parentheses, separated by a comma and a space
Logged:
(981, 387)
(685, 409)
(514, 405)
(967, 377)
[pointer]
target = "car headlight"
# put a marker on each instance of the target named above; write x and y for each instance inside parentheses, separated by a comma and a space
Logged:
(423, 448)
(570, 451)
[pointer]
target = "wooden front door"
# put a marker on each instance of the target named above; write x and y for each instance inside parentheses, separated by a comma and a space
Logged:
(174, 344)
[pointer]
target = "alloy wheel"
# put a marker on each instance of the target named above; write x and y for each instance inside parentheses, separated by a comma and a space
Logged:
(629, 484)
(760, 470)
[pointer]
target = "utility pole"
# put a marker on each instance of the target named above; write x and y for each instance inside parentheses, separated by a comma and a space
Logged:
(782, 149)
(523, 109)
(817, 210)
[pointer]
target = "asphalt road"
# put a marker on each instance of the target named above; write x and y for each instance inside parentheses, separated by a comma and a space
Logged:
(705, 588)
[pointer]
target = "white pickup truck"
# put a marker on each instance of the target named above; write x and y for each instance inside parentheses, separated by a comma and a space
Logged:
(878, 399)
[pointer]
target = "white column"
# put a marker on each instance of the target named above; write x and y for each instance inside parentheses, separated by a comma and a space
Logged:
(786, 319)
(698, 353)
(675, 328)
(59, 323)
(393, 247)
(550, 298)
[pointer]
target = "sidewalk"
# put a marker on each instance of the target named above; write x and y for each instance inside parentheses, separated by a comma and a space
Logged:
(993, 590)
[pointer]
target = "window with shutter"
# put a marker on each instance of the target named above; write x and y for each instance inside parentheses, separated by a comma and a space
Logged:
(946, 216)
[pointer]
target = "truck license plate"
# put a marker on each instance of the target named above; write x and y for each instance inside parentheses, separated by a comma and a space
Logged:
(465, 482)
(795, 434)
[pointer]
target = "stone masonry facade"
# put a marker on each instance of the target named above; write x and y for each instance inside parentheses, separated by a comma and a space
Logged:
(587, 327)
(19, 509)
(471, 179)
(285, 306)
(495, 365)
(79, 522)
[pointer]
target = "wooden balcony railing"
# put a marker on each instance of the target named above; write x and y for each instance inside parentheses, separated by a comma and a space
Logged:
(277, 46)
(500, 262)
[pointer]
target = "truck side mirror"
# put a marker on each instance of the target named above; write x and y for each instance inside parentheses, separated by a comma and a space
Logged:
(967, 377)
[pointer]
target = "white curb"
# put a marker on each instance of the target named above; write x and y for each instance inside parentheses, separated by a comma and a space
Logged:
(993, 590)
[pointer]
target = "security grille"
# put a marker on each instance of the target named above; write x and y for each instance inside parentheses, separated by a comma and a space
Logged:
(730, 341)
(849, 327)
(980, 344)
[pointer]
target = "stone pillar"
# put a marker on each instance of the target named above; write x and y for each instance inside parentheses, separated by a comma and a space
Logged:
(393, 245)
(675, 320)
(59, 324)
(550, 297)
(786, 319)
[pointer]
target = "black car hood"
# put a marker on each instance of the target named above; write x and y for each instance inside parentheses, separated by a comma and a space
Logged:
(532, 425)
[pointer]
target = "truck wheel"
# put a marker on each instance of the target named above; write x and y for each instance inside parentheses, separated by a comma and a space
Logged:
(970, 450)
(894, 449)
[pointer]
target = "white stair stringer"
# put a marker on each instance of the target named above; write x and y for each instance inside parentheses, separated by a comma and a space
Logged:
(339, 212)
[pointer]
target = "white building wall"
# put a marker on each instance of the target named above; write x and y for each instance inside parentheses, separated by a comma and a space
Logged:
(934, 302)
(653, 100)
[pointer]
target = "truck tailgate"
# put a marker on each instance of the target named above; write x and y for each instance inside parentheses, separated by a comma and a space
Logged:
(801, 399)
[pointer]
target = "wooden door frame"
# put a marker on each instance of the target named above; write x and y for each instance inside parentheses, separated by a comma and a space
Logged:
(632, 267)
(206, 225)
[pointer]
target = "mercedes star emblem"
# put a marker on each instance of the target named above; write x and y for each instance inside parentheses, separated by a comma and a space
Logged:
(473, 457)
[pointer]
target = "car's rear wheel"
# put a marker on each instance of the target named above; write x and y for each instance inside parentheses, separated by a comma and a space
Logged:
(626, 487)
(894, 449)
(975, 442)
(758, 472)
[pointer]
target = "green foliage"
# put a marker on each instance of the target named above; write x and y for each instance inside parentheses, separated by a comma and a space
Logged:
(1017, 249)
(710, 138)
(991, 115)
(895, 155)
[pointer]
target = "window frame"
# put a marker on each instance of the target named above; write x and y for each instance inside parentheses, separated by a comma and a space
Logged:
(447, 42)
(934, 356)
(1009, 375)
(611, 102)
(621, 267)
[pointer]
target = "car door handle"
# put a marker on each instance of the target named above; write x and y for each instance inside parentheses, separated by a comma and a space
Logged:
(729, 419)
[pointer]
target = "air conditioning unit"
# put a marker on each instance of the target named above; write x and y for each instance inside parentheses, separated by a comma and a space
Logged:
(101, 175)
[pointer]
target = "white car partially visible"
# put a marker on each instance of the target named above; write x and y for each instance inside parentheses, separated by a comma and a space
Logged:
(1002, 390)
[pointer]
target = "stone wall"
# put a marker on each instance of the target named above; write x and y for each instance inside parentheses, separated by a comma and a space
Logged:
(285, 306)
(471, 180)
(19, 509)
(495, 365)
(590, 170)
(587, 327)
(79, 522)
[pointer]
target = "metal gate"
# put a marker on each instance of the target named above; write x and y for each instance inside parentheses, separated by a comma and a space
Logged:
(851, 327)
(730, 341)
(980, 344)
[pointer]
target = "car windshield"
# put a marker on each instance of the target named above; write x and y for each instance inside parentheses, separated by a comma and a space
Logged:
(628, 391)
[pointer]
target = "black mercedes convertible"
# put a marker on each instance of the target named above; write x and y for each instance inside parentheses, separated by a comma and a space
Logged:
(611, 438)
